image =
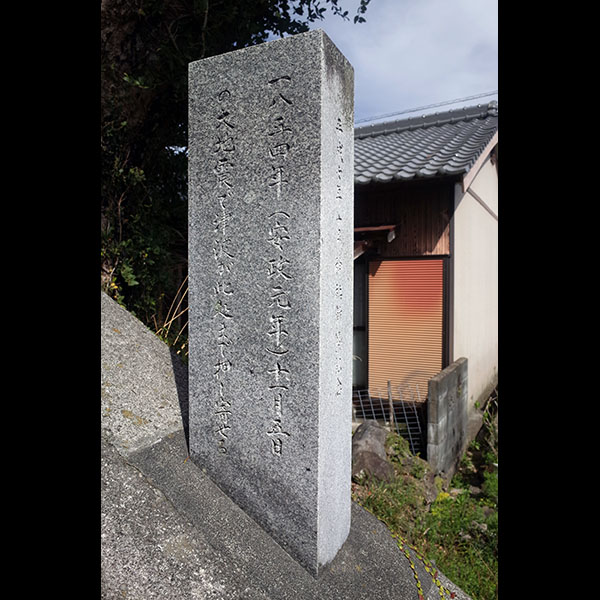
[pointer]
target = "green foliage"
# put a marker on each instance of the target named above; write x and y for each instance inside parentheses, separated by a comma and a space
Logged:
(458, 529)
(361, 11)
(399, 504)
(463, 543)
(145, 51)
(417, 469)
(490, 486)
(397, 448)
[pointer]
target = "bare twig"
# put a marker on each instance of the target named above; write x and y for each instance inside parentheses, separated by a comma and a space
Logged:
(203, 32)
(186, 324)
(175, 298)
(168, 324)
(119, 202)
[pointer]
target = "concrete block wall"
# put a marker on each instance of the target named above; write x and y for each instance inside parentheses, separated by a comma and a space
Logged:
(447, 417)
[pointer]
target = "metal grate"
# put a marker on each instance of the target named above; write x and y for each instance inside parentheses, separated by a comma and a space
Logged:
(401, 411)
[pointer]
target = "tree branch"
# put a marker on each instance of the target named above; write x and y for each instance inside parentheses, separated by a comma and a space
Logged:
(203, 33)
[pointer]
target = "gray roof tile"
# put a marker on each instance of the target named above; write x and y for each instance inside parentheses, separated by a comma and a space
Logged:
(433, 145)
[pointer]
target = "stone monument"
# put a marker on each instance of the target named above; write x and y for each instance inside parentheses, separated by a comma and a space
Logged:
(271, 147)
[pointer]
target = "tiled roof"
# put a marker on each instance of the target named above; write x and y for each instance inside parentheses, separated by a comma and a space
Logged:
(434, 145)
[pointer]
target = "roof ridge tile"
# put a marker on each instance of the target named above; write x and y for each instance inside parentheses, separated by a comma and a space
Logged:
(434, 145)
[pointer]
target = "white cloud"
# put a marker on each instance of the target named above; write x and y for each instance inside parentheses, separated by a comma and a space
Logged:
(411, 53)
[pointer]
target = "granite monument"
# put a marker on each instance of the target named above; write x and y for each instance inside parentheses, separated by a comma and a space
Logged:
(270, 286)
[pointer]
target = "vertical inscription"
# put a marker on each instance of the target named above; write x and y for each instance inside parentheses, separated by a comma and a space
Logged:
(223, 150)
(279, 266)
(270, 221)
(338, 294)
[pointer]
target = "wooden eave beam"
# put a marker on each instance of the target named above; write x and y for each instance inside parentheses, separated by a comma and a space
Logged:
(359, 248)
(375, 228)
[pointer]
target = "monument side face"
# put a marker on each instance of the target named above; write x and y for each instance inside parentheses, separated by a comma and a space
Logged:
(270, 286)
(336, 303)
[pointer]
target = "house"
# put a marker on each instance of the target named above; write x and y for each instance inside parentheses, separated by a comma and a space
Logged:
(426, 251)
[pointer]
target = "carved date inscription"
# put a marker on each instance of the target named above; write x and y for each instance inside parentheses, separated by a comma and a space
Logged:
(279, 267)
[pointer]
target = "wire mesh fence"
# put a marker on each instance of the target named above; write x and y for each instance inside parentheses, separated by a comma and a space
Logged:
(402, 410)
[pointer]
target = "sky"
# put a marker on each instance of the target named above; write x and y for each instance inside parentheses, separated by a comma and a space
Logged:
(413, 53)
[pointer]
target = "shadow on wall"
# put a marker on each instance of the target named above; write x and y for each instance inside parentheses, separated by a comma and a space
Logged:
(180, 372)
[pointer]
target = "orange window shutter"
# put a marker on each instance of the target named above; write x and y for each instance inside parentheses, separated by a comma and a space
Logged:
(405, 325)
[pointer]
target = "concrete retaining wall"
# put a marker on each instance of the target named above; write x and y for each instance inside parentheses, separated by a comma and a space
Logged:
(447, 417)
